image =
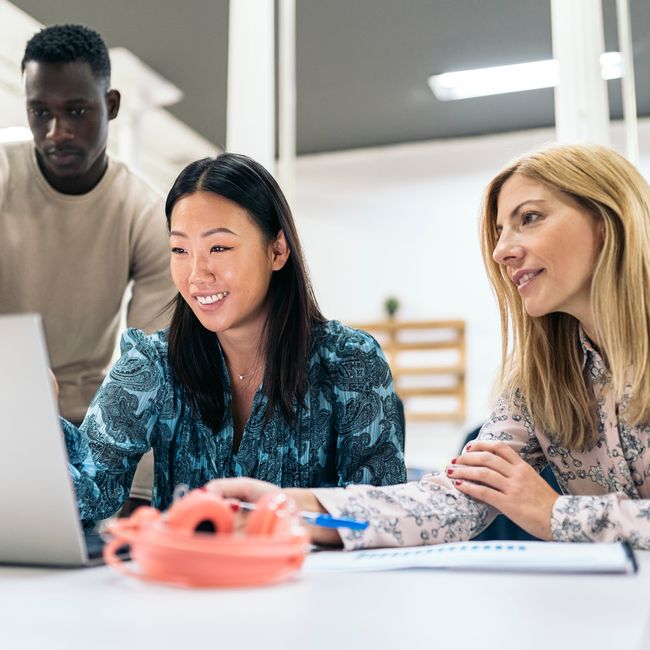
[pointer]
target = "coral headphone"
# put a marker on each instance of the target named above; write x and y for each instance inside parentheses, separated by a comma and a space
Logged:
(168, 547)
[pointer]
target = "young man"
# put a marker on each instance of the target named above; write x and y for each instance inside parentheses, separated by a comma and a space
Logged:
(77, 227)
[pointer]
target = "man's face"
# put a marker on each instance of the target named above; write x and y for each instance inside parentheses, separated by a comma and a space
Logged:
(68, 110)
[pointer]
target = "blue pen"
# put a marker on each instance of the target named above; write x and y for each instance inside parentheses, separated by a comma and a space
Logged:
(319, 519)
(327, 521)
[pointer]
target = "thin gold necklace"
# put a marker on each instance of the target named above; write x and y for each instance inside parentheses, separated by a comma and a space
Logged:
(242, 377)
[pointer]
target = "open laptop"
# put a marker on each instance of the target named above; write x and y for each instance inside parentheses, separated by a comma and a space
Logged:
(39, 520)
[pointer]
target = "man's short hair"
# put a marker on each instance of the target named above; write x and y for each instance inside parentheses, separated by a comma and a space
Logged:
(69, 44)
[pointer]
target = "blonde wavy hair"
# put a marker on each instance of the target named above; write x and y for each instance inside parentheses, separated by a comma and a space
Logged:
(543, 361)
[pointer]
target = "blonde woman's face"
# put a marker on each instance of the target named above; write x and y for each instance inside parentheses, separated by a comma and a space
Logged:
(549, 246)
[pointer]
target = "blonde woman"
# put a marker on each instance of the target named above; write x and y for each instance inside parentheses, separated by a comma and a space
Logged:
(566, 241)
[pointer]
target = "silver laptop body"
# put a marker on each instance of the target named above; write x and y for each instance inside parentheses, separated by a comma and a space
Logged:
(39, 521)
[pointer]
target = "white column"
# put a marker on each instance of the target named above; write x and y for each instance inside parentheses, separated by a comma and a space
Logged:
(581, 105)
(142, 90)
(129, 138)
(287, 98)
(250, 127)
(627, 82)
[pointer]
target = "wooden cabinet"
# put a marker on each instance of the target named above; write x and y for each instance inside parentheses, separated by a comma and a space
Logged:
(427, 359)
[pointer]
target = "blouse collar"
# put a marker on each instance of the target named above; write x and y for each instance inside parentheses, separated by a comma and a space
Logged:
(592, 359)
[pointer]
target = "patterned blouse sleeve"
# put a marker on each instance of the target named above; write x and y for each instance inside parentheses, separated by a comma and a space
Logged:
(367, 414)
(104, 451)
(603, 518)
(431, 511)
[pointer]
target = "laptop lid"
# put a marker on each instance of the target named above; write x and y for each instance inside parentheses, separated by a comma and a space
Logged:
(39, 520)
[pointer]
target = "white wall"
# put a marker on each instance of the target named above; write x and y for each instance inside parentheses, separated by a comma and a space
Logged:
(403, 221)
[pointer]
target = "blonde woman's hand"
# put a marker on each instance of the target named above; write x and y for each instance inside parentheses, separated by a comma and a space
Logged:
(242, 489)
(252, 490)
(493, 472)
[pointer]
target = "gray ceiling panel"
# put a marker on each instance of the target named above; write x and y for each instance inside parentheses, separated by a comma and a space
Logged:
(362, 65)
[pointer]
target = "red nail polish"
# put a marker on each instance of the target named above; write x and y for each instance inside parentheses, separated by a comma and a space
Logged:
(453, 461)
(450, 470)
(468, 447)
(457, 482)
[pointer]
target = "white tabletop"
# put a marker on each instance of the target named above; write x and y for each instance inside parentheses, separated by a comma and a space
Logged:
(97, 608)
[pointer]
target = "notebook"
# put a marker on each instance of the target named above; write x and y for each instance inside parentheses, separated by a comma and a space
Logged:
(529, 557)
(38, 510)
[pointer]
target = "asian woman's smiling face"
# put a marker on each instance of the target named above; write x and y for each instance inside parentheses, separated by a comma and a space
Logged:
(549, 246)
(222, 263)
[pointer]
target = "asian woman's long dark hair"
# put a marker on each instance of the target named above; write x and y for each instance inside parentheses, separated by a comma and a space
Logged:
(293, 312)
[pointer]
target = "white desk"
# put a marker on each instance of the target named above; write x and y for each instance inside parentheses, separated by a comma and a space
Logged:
(99, 609)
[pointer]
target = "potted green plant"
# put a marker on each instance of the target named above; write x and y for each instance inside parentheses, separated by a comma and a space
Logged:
(391, 305)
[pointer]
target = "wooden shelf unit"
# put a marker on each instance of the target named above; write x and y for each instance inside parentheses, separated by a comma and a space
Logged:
(438, 373)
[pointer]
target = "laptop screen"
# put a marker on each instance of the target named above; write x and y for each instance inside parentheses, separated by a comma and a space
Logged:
(38, 511)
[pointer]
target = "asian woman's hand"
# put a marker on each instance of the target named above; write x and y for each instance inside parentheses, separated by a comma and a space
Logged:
(251, 490)
(493, 472)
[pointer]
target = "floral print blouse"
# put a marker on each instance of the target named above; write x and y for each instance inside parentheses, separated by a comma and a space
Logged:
(606, 490)
(349, 429)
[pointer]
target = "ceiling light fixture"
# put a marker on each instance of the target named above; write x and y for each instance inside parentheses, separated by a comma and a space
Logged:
(511, 78)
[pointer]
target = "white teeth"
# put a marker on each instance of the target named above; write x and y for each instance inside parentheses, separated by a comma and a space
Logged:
(525, 278)
(208, 300)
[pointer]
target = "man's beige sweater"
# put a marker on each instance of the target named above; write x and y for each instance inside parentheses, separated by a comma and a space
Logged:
(71, 258)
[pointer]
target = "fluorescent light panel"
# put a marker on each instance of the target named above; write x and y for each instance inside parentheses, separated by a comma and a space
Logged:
(511, 78)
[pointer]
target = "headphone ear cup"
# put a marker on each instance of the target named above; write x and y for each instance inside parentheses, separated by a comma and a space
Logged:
(199, 506)
(272, 516)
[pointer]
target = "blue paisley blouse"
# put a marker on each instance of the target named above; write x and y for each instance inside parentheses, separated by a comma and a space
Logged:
(348, 430)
